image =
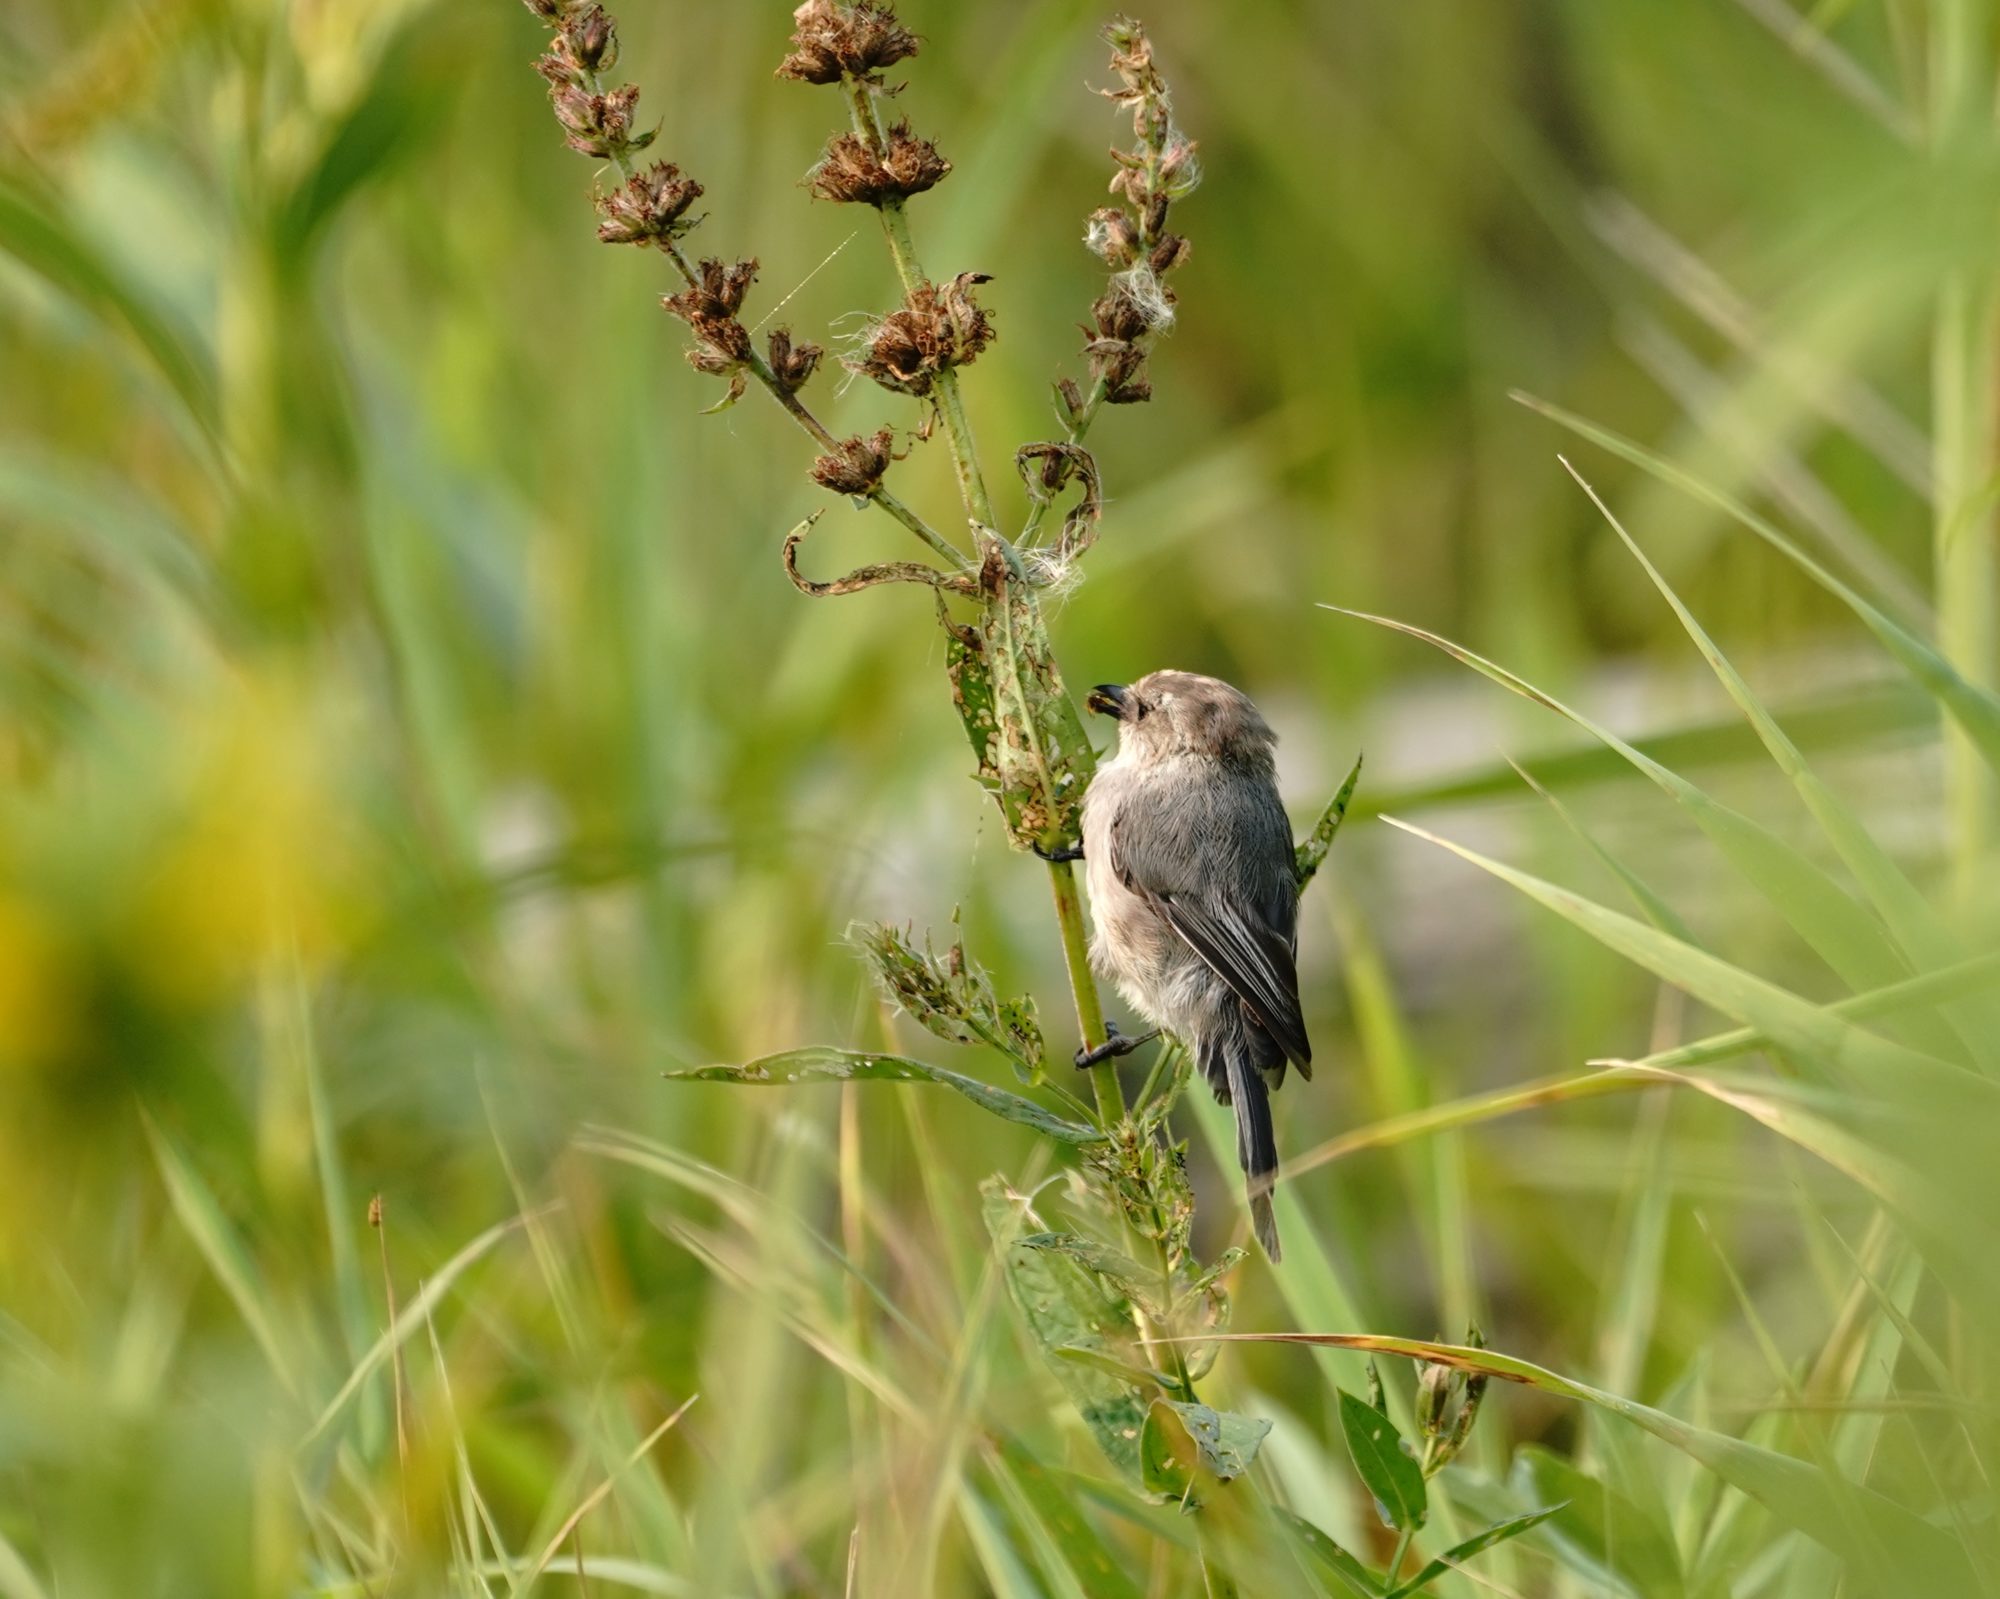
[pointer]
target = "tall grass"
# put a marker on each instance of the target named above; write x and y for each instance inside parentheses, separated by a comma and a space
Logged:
(412, 749)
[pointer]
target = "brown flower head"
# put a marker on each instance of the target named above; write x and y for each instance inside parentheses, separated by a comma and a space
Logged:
(590, 38)
(597, 125)
(716, 295)
(793, 364)
(651, 206)
(1112, 236)
(850, 171)
(550, 11)
(856, 465)
(1169, 253)
(936, 327)
(832, 41)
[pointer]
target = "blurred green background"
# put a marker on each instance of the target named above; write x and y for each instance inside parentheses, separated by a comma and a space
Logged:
(410, 746)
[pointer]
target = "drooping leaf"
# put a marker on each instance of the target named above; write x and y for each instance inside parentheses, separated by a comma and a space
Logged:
(1228, 1442)
(1478, 1543)
(1066, 1308)
(1390, 1476)
(1133, 1281)
(827, 1065)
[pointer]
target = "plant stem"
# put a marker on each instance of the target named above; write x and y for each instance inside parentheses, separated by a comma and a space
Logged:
(1083, 984)
(1962, 429)
(796, 408)
(1402, 1553)
(903, 250)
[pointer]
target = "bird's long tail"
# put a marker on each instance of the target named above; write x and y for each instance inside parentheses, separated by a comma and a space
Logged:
(1256, 1145)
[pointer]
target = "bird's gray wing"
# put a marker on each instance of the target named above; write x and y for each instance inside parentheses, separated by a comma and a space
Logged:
(1156, 860)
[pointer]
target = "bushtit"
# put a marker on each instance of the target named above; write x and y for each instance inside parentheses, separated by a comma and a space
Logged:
(1194, 892)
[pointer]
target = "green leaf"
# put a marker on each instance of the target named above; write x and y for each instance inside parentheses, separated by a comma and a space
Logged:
(1391, 1476)
(1066, 1308)
(1228, 1441)
(1069, 1549)
(1328, 1555)
(826, 1065)
(1976, 711)
(1854, 1521)
(1459, 1553)
(1134, 1281)
(1166, 1460)
(1818, 909)
(1606, 1528)
(47, 245)
(1312, 850)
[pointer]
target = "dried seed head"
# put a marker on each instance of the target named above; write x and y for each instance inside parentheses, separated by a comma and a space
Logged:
(793, 364)
(651, 206)
(597, 125)
(716, 295)
(1112, 236)
(855, 465)
(550, 11)
(591, 38)
(832, 41)
(1169, 253)
(936, 327)
(850, 172)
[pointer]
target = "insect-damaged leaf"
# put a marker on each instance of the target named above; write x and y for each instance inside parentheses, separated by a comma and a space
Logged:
(951, 997)
(823, 1065)
(1033, 756)
(1306, 858)
(1131, 1280)
(1065, 1307)
(1391, 1476)
(1228, 1442)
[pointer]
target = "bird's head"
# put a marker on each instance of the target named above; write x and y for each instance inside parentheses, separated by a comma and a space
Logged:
(1168, 713)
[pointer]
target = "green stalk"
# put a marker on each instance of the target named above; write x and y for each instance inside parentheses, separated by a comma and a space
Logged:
(1964, 415)
(1083, 984)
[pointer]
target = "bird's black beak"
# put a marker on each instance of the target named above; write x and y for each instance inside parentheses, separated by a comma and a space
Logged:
(1108, 699)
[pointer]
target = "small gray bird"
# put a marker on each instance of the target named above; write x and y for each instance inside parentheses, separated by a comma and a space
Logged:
(1195, 896)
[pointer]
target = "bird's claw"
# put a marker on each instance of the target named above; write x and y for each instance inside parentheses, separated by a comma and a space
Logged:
(1068, 852)
(1115, 1044)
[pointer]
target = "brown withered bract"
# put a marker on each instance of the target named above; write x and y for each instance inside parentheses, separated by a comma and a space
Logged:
(650, 207)
(591, 38)
(832, 41)
(793, 364)
(1112, 236)
(856, 465)
(850, 172)
(716, 294)
(598, 125)
(936, 327)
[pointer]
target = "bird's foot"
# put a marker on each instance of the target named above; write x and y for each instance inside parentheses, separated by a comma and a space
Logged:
(1069, 852)
(1114, 1045)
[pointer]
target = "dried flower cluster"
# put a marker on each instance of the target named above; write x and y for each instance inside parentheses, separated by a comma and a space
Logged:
(936, 328)
(856, 465)
(832, 41)
(852, 171)
(1133, 239)
(651, 206)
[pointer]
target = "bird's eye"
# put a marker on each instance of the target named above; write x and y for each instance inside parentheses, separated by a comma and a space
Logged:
(1138, 709)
